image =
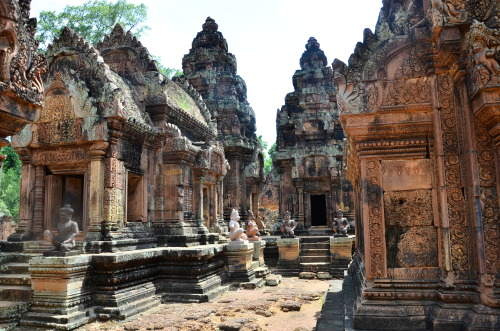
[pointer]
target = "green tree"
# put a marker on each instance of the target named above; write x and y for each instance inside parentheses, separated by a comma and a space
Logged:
(93, 20)
(10, 183)
(268, 163)
(268, 154)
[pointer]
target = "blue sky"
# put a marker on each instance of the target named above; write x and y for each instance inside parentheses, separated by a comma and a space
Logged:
(266, 36)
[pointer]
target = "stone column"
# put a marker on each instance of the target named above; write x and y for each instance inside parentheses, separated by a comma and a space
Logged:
(38, 209)
(202, 229)
(300, 193)
(96, 192)
(26, 205)
(233, 183)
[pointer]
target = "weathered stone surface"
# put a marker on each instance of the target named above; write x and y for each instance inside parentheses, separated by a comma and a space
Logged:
(21, 91)
(291, 306)
(422, 156)
(323, 275)
(211, 70)
(307, 275)
(309, 148)
(273, 280)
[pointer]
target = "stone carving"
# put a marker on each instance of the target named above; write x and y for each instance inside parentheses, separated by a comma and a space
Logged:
(340, 225)
(424, 143)
(288, 226)
(483, 47)
(67, 230)
(236, 234)
(310, 134)
(251, 229)
(211, 70)
(21, 67)
(408, 208)
(418, 247)
(375, 216)
(455, 196)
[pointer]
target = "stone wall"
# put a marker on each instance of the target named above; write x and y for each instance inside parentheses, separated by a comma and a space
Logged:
(419, 104)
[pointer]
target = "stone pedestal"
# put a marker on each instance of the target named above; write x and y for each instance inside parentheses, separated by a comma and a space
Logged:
(341, 255)
(261, 269)
(289, 258)
(239, 257)
(61, 292)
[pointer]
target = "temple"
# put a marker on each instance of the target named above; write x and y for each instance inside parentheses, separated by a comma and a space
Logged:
(419, 102)
(310, 147)
(211, 70)
(404, 139)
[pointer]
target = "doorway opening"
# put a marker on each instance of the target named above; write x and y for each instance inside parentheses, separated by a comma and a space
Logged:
(135, 198)
(63, 190)
(318, 210)
(206, 212)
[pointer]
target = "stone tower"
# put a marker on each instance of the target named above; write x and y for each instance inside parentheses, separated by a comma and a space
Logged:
(211, 70)
(309, 149)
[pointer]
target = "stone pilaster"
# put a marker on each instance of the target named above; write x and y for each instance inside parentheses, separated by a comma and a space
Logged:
(96, 192)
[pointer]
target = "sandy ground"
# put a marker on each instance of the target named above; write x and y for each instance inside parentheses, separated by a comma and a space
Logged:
(266, 308)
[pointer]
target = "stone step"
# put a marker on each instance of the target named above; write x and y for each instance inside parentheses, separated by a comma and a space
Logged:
(15, 268)
(12, 279)
(315, 246)
(8, 326)
(314, 252)
(53, 321)
(15, 293)
(315, 267)
(314, 240)
(315, 259)
(11, 311)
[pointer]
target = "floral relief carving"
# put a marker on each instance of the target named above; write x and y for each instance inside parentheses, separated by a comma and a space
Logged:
(453, 176)
(374, 193)
(489, 197)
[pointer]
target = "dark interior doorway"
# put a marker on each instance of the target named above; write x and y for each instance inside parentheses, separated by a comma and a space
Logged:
(318, 210)
(62, 190)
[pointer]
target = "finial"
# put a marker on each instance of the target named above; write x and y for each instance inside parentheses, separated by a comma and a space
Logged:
(312, 44)
(210, 24)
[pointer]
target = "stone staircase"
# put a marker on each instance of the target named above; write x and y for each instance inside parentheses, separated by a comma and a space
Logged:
(15, 288)
(315, 254)
(15, 280)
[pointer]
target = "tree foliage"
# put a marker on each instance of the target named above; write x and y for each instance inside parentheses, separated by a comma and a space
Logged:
(268, 163)
(268, 154)
(10, 183)
(92, 20)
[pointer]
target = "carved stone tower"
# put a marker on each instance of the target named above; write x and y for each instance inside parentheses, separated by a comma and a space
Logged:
(211, 70)
(309, 149)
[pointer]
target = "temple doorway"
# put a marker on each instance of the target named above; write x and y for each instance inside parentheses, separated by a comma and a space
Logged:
(318, 210)
(136, 203)
(62, 190)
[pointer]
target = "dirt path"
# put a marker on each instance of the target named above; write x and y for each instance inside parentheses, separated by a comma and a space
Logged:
(267, 308)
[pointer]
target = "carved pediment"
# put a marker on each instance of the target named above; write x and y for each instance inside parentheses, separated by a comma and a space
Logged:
(124, 53)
